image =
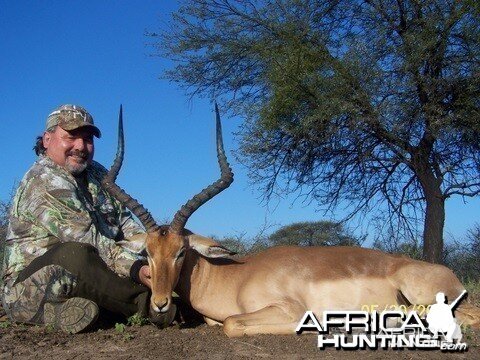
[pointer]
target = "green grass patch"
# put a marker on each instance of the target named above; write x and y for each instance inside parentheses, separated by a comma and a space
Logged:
(120, 328)
(473, 289)
(137, 320)
(5, 324)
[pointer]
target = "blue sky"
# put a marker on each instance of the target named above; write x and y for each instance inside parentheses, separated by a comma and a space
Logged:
(95, 54)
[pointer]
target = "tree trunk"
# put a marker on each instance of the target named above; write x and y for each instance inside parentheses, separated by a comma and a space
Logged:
(434, 223)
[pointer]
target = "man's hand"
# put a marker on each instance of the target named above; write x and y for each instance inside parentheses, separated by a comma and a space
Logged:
(145, 276)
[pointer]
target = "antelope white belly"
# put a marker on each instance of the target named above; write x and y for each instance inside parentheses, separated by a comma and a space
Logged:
(357, 293)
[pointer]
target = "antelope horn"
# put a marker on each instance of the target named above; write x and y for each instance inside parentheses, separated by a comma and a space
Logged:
(226, 178)
(118, 193)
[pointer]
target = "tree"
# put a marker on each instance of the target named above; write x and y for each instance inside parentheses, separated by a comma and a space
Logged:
(315, 233)
(4, 214)
(235, 244)
(5, 206)
(372, 104)
(395, 245)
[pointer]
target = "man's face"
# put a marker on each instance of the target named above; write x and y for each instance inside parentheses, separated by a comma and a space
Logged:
(71, 149)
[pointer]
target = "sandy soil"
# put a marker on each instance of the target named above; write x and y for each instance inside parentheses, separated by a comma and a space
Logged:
(195, 341)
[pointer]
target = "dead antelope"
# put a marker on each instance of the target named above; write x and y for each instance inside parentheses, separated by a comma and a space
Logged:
(269, 292)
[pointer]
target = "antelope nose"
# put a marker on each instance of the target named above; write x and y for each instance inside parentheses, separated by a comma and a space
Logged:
(161, 305)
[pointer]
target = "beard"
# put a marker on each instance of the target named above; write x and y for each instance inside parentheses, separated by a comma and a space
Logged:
(76, 168)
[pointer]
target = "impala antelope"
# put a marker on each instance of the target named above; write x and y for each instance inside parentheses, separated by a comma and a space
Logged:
(269, 292)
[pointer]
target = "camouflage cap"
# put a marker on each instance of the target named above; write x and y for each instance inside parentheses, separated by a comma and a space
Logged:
(71, 117)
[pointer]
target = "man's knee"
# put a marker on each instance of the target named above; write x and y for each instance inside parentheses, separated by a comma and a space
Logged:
(74, 248)
(70, 253)
(72, 256)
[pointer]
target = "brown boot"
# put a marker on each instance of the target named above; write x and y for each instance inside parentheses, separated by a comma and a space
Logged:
(71, 316)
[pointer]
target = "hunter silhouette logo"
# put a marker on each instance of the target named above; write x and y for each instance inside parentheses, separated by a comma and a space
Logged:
(440, 318)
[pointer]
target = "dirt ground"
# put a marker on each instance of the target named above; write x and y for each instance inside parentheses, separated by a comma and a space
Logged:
(111, 340)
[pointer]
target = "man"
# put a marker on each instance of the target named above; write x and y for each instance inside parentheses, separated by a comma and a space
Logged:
(65, 253)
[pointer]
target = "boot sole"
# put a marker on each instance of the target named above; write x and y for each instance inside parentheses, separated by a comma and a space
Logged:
(71, 316)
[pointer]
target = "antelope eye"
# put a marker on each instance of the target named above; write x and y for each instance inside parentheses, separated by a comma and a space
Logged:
(163, 232)
(181, 254)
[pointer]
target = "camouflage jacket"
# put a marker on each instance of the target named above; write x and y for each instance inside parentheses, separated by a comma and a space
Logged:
(50, 206)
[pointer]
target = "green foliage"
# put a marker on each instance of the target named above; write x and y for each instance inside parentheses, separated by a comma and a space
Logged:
(463, 257)
(5, 207)
(473, 289)
(234, 244)
(4, 212)
(5, 324)
(4, 217)
(120, 328)
(49, 328)
(315, 233)
(460, 256)
(374, 103)
(258, 246)
(128, 337)
(137, 320)
(408, 247)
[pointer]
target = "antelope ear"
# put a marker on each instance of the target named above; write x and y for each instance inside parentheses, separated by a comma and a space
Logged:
(136, 243)
(208, 248)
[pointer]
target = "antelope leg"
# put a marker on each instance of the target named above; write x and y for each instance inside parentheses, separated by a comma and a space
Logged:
(211, 322)
(273, 319)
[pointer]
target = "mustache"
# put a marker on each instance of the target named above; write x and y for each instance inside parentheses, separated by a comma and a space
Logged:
(78, 153)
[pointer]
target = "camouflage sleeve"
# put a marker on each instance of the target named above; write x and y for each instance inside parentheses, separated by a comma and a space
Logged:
(134, 235)
(128, 225)
(60, 211)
